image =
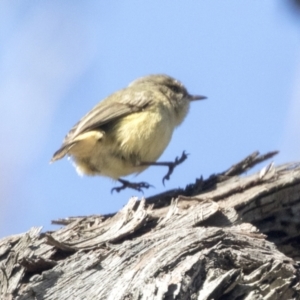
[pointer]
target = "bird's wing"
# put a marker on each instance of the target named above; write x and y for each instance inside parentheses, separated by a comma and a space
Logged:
(125, 102)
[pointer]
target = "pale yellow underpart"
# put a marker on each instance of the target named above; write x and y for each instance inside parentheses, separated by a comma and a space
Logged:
(139, 137)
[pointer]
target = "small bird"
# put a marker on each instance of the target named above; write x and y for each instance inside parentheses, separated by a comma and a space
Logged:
(128, 131)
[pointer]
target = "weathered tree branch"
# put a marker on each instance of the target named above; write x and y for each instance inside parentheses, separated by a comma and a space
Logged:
(225, 237)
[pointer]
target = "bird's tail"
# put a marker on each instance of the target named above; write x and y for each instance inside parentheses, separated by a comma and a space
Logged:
(61, 152)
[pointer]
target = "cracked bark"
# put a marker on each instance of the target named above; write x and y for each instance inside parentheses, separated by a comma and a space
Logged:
(226, 237)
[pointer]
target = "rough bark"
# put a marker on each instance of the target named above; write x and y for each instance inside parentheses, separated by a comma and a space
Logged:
(226, 237)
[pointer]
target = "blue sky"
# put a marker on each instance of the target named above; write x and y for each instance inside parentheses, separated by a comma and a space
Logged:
(59, 58)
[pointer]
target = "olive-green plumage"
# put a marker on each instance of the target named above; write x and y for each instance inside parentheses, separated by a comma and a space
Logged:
(128, 128)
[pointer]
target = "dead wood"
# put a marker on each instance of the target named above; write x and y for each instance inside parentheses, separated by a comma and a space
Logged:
(225, 237)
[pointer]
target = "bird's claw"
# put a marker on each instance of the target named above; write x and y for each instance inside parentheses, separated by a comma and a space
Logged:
(174, 164)
(138, 186)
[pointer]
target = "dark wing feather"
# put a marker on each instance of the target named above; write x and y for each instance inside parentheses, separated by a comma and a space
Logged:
(117, 105)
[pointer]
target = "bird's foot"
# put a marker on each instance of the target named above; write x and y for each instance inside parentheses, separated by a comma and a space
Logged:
(138, 186)
(172, 165)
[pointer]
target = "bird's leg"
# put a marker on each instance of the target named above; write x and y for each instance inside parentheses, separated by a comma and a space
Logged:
(139, 186)
(170, 165)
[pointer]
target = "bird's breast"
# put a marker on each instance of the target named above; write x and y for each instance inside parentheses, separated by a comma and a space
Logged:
(145, 133)
(129, 141)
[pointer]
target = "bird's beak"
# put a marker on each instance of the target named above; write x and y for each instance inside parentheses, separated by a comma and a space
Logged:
(196, 97)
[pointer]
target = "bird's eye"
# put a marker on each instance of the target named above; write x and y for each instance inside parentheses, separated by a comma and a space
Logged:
(175, 88)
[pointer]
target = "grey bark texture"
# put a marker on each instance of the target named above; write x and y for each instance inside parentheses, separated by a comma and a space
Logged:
(225, 237)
